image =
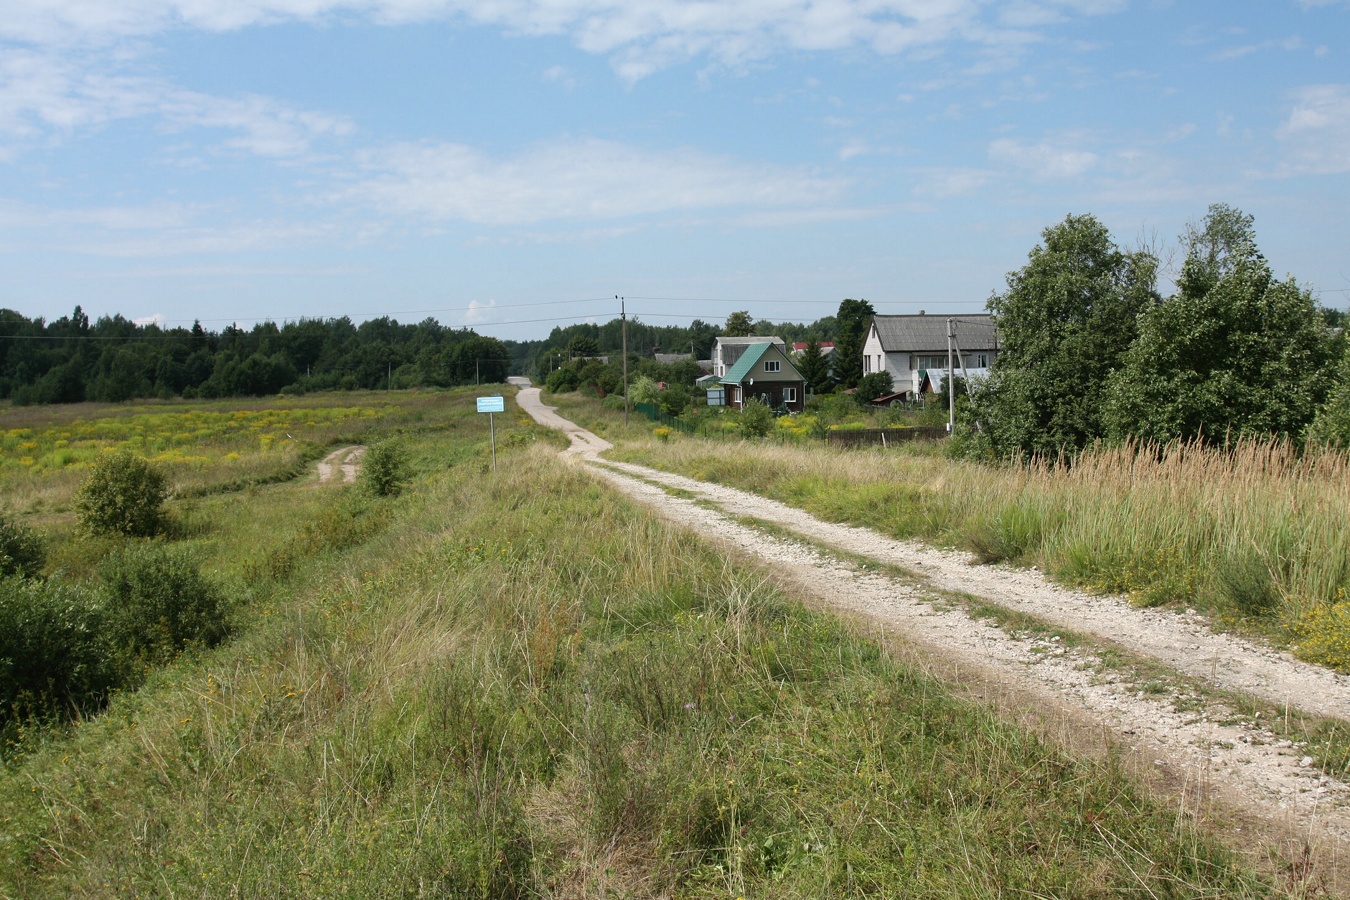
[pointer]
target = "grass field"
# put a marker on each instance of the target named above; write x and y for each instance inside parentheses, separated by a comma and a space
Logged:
(521, 685)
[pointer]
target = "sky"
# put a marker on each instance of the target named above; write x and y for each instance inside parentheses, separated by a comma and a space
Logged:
(515, 165)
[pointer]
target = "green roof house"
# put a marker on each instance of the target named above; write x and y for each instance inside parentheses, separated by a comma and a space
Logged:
(765, 373)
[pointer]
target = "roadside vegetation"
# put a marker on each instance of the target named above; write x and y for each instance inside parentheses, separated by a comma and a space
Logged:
(1252, 534)
(523, 685)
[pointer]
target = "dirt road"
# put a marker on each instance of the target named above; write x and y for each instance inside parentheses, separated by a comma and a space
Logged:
(346, 460)
(1169, 720)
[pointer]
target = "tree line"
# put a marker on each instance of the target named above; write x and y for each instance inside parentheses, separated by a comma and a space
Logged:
(113, 360)
(1090, 350)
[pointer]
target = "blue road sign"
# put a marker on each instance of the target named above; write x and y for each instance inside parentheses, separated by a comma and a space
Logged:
(491, 404)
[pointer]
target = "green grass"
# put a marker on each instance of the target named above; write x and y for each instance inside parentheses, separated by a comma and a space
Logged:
(523, 685)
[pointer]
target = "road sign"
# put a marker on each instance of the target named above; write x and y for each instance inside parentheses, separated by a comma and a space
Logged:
(491, 404)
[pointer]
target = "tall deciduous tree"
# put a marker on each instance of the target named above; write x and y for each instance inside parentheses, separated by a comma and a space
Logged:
(739, 324)
(853, 319)
(1235, 352)
(1064, 323)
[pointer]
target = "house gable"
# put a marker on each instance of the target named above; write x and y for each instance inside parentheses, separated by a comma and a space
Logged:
(762, 362)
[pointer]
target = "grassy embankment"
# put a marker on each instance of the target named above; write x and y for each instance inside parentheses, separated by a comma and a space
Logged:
(522, 685)
(1255, 536)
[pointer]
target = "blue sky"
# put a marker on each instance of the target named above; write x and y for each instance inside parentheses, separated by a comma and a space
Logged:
(509, 165)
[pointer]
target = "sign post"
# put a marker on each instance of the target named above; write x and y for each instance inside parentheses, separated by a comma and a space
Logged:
(492, 405)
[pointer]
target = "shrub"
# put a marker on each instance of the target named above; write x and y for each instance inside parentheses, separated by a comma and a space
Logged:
(384, 470)
(159, 604)
(561, 381)
(21, 550)
(53, 651)
(756, 419)
(122, 495)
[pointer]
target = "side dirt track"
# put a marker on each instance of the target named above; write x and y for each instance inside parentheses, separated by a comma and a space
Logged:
(1205, 752)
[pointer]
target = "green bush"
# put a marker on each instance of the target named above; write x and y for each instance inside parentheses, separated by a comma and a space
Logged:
(124, 494)
(158, 604)
(561, 381)
(385, 469)
(21, 550)
(756, 419)
(53, 650)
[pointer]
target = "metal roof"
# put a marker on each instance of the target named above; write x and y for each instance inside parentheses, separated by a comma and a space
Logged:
(928, 334)
(753, 354)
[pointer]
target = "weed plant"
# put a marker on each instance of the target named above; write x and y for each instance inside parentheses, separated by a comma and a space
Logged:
(523, 686)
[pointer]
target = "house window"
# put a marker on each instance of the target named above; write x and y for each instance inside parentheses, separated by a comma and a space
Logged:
(789, 395)
(772, 365)
(979, 361)
(930, 362)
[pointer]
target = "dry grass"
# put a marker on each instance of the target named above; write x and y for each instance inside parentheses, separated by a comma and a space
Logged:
(1255, 534)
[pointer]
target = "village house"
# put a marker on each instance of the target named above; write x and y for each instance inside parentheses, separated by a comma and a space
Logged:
(913, 349)
(764, 372)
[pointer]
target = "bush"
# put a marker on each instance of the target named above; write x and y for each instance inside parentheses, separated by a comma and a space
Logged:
(384, 470)
(53, 651)
(21, 550)
(122, 495)
(158, 605)
(756, 419)
(561, 381)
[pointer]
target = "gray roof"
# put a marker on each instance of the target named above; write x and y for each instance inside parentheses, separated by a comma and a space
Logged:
(666, 359)
(750, 340)
(928, 334)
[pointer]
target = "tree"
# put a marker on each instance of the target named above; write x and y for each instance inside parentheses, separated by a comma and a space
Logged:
(583, 345)
(1331, 427)
(853, 320)
(1064, 322)
(739, 324)
(872, 386)
(815, 368)
(1234, 353)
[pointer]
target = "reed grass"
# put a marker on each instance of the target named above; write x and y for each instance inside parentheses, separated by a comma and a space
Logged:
(523, 685)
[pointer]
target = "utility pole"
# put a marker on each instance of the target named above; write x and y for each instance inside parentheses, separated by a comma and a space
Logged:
(951, 377)
(623, 318)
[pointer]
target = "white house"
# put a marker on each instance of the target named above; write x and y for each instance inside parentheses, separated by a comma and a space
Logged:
(908, 347)
(727, 350)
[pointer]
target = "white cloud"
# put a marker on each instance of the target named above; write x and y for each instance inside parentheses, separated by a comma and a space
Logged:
(640, 36)
(1316, 135)
(155, 319)
(952, 182)
(478, 312)
(1045, 160)
(575, 180)
(41, 93)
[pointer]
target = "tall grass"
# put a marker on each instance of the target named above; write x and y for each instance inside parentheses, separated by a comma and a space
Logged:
(1255, 534)
(522, 685)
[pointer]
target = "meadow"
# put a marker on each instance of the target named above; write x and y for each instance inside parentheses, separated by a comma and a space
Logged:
(523, 685)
